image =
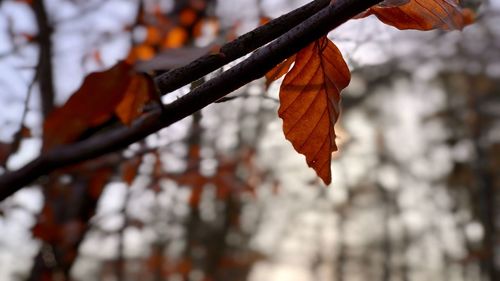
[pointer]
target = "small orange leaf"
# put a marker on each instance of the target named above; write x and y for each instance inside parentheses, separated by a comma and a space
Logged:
(423, 15)
(140, 90)
(309, 103)
(175, 38)
(278, 71)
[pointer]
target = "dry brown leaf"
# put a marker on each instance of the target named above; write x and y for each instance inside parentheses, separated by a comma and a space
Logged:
(94, 103)
(309, 103)
(423, 15)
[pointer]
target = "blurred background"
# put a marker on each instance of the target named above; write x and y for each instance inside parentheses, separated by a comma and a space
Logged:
(222, 195)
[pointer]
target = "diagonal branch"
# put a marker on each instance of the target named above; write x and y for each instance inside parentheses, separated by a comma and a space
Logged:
(250, 69)
(176, 78)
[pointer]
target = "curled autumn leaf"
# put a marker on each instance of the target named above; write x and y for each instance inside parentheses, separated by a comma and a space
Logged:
(118, 90)
(309, 103)
(422, 14)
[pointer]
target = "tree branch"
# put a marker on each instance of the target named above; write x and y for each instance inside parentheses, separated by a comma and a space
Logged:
(44, 68)
(250, 69)
(176, 78)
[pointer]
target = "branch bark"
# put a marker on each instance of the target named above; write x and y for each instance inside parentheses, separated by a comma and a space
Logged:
(233, 50)
(250, 69)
